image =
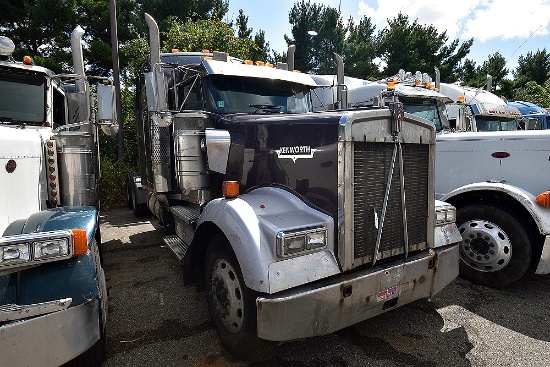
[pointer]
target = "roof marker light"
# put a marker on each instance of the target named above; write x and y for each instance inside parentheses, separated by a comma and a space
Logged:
(27, 60)
(460, 99)
(175, 50)
(248, 62)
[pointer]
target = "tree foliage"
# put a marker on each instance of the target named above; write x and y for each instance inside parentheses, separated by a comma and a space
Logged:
(412, 47)
(360, 50)
(533, 67)
(534, 93)
(304, 17)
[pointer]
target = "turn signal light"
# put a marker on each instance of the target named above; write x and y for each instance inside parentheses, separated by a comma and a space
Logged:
(544, 199)
(230, 189)
(80, 241)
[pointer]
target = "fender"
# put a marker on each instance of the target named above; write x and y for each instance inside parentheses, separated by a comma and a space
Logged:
(251, 222)
(539, 213)
(75, 277)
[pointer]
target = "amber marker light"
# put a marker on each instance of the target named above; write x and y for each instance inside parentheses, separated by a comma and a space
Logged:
(80, 241)
(544, 199)
(230, 189)
(391, 85)
(461, 99)
(174, 50)
(205, 51)
(27, 60)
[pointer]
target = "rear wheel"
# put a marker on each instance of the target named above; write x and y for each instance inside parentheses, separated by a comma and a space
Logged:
(129, 190)
(496, 249)
(139, 209)
(231, 304)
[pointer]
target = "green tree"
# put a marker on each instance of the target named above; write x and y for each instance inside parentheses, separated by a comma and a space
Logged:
(360, 50)
(533, 67)
(262, 50)
(242, 25)
(212, 34)
(534, 93)
(495, 66)
(40, 29)
(304, 17)
(412, 46)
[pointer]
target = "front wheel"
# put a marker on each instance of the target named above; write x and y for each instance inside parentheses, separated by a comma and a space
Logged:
(231, 304)
(496, 250)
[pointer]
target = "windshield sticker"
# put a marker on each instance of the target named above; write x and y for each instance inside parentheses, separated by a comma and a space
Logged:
(221, 104)
(299, 151)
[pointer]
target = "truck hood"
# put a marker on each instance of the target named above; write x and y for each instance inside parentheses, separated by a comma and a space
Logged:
(22, 186)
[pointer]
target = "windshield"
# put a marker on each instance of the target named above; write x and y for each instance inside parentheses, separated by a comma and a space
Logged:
(495, 124)
(23, 97)
(231, 94)
(428, 109)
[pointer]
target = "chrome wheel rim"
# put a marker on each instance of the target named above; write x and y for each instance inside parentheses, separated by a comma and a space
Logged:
(227, 295)
(485, 246)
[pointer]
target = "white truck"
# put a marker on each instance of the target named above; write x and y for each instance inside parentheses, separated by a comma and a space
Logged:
(492, 178)
(477, 109)
(53, 301)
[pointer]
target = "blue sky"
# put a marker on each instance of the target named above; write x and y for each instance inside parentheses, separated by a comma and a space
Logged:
(495, 25)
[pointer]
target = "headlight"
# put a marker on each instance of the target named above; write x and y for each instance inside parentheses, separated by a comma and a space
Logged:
(301, 240)
(451, 215)
(52, 248)
(445, 214)
(15, 254)
(34, 248)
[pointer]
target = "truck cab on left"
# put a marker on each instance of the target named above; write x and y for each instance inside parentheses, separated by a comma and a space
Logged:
(53, 298)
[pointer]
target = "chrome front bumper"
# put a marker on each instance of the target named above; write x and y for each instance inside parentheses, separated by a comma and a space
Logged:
(347, 299)
(51, 339)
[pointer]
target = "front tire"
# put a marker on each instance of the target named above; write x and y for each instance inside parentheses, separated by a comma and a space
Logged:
(232, 305)
(496, 249)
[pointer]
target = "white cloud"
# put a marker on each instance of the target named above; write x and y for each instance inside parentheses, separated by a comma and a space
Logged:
(481, 19)
(515, 20)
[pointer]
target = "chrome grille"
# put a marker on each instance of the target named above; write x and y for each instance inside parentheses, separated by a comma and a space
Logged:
(372, 162)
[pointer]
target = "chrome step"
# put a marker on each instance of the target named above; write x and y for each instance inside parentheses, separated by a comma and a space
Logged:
(176, 245)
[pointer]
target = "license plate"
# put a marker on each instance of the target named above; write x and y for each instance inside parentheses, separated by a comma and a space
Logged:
(387, 294)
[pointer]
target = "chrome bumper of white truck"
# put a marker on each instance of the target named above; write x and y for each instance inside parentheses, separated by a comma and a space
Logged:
(51, 339)
(347, 299)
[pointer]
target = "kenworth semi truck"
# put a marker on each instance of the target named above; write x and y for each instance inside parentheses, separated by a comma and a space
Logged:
(53, 302)
(295, 223)
(497, 180)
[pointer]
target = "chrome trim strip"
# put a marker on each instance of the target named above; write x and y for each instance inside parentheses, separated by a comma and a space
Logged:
(13, 312)
(384, 205)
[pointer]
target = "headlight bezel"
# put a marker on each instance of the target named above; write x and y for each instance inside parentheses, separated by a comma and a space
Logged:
(313, 238)
(445, 215)
(34, 241)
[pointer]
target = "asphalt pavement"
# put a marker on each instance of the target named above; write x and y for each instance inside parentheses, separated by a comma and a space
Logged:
(154, 320)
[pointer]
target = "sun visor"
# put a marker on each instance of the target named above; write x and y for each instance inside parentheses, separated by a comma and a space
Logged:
(214, 67)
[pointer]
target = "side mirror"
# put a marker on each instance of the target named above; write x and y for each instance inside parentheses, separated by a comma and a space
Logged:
(106, 111)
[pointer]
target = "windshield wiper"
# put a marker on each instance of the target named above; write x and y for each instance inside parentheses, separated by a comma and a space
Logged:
(10, 121)
(265, 107)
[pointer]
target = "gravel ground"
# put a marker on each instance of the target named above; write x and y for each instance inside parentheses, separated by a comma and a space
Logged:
(154, 320)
